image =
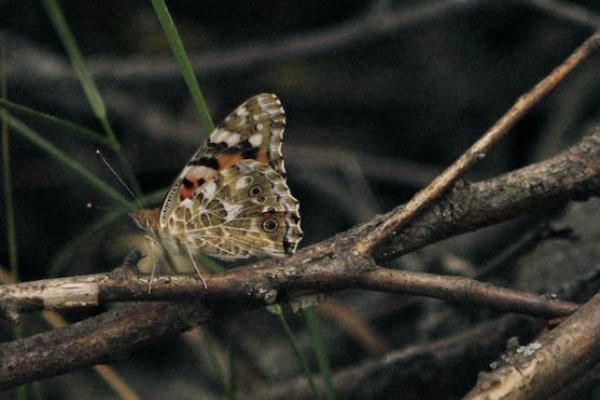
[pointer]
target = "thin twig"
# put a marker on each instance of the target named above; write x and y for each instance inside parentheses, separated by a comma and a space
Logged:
(477, 151)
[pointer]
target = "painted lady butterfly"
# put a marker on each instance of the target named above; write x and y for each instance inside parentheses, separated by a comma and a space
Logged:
(231, 200)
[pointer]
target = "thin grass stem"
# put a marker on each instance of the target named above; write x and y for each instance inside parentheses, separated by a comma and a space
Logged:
(54, 122)
(312, 323)
(231, 388)
(174, 40)
(89, 86)
(277, 310)
(9, 207)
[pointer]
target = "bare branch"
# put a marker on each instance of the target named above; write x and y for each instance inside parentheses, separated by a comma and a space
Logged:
(548, 364)
(371, 378)
(93, 341)
(572, 174)
(269, 285)
(478, 150)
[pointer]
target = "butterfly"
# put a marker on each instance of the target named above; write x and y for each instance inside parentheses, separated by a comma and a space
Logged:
(231, 200)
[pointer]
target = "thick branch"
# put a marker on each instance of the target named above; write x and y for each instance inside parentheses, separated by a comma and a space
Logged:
(551, 362)
(93, 341)
(401, 370)
(573, 174)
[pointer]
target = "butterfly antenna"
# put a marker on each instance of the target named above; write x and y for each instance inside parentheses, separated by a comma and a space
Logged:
(121, 181)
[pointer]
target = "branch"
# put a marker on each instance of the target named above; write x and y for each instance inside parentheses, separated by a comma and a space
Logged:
(254, 286)
(401, 370)
(572, 174)
(93, 341)
(548, 364)
(477, 151)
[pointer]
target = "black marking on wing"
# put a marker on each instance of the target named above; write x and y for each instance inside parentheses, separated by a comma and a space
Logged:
(250, 153)
(206, 162)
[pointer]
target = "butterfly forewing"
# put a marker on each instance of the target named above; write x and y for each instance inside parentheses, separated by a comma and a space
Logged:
(231, 200)
(254, 131)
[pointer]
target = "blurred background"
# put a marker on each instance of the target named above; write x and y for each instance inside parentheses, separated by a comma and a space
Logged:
(380, 96)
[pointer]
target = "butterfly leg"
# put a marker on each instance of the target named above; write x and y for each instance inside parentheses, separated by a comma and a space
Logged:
(154, 263)
(195, 265)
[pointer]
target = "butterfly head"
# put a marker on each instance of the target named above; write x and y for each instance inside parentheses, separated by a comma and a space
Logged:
(147, 219)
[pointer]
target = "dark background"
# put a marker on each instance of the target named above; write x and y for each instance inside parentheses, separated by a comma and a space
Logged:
(379, 96)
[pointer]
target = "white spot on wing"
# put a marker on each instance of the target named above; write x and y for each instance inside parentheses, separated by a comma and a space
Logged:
(220, 135)
(241, 111)
(233, 139)
(243, 182)
(256, 139)
(232, 210)
(209, 189)
(187, 203)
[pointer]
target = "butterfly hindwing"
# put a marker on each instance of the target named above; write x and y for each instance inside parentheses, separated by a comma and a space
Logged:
(253, 131)
(246, 209)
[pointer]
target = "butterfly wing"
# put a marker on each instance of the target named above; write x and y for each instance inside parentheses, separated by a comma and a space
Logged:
(245, 210)
(254, 131)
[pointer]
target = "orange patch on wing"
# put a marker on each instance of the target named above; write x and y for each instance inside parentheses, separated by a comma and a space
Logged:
(227, 160)
(262, 157)
(185, 193)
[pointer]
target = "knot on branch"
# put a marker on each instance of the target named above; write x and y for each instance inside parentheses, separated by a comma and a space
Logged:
(129, 266)
(262, 292)
(10, 310)
(456, 202)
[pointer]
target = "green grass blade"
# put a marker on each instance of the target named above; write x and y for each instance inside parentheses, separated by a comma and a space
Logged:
(231, 388)
(62, 158)
(314, 330)
(212, 356)
(210, 264)
(174, 40)
(9, 206)
(89, 86)
(276, 309)
(54, 122)
(68, 40)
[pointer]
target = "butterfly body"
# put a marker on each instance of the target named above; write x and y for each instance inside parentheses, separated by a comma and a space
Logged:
(231, 200)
